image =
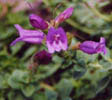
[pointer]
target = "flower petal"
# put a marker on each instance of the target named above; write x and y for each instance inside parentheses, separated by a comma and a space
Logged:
(104, 51)
(102, 40)
(37, 22)
(64, 15)
(89, 47)
(24, 32)
(63, 45)
(92, 47)
(50, 34)
(56, 46)
(50, 47)
(62, 33)
(31, 36)
(30, 39)
(101, 48)
(33, 39)
(14, 42)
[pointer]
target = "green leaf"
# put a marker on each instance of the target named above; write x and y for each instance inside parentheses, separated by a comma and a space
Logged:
(39, 96)
(67, 98)
(28, 90)
(17, 78)
(64, 88)
(51, 95)
(85, 57)
(21, 76)
(57, 59)
(47, 70)
(16, 47)
(14, 84)
(11, 96)
(29, 52)
(78, 74)
(102, 84)
(3, 81)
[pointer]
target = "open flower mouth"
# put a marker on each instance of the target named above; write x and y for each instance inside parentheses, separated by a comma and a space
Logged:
(56, 40)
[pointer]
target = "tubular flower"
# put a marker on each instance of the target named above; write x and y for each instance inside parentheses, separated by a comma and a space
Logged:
(31, 36)
(37, 22)
(91, 47)
(56, 40)
(64, 15)
(43, 57)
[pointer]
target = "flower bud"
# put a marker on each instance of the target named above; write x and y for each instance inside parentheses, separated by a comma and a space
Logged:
(38, 22)
(64, 15)
(43, 57)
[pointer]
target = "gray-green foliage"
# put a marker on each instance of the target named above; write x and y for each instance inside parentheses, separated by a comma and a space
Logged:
(72, 75)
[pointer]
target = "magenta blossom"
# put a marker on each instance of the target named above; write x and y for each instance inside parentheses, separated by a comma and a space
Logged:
(64, 15)
(38, 22)
(31, 36)
(56, 40)
(43, 57)
(92, 47)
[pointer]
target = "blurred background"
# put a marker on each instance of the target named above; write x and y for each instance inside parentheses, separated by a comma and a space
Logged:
(77, 76)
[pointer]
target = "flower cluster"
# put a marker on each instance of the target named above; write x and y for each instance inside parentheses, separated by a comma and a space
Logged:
(56, 38)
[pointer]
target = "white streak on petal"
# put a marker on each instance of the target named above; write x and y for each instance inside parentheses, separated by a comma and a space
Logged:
(63, 45)
(56, 46)
(50, 48)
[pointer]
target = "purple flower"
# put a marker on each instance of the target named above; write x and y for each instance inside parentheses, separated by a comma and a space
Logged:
(38, 22)
(43, 57)
(56, 40)
(64, 15)
(31, 36)
(92, 47)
